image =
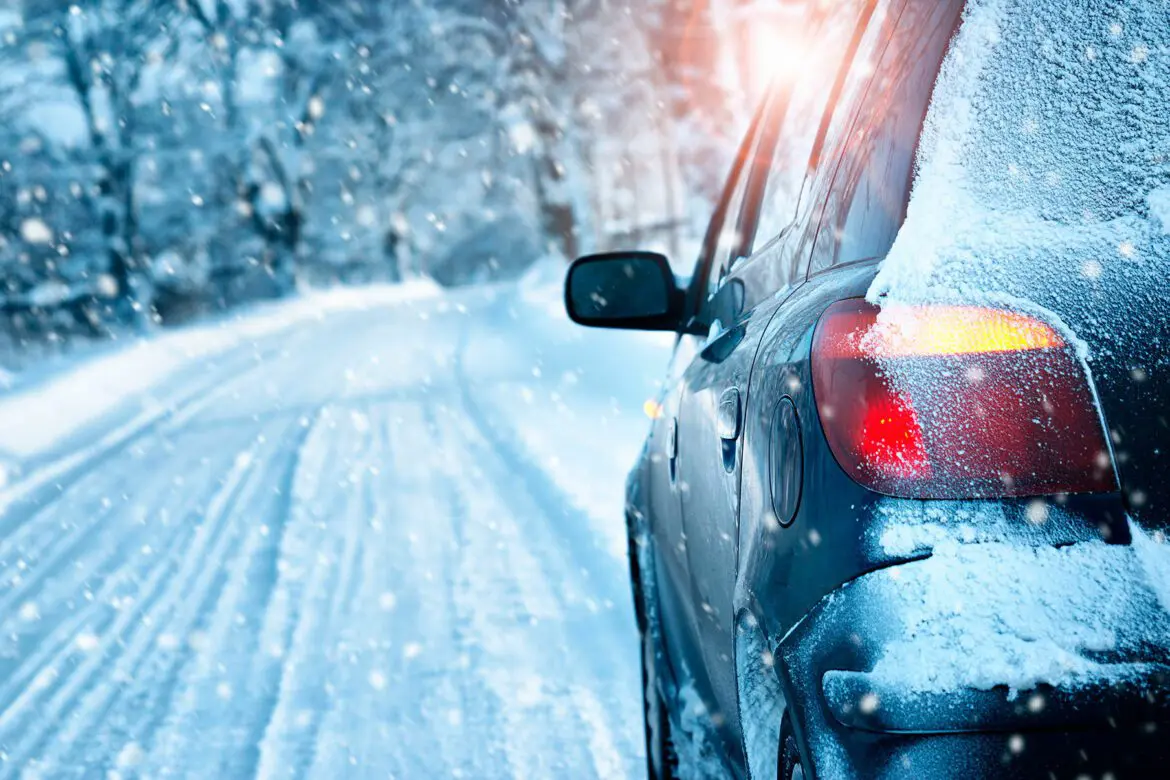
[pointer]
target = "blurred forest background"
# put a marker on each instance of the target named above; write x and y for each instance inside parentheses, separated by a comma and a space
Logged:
(165, 159)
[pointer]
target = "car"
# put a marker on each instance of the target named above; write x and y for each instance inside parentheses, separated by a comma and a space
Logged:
(898, 518)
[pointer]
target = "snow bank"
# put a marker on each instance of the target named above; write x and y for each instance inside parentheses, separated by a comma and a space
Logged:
(38, 419)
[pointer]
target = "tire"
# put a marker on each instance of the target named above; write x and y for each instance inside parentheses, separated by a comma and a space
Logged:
(661, 758)
(790, 766)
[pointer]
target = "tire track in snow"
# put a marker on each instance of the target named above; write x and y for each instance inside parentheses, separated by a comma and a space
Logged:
(350, 735)
(426, 659)
(394, 710)
(354, 733)
(513, 613)
(52, 476)
(267, 667)
(38, 549)
(421, 608)
(49, 574)
(218, 688)
(148, 672)
(574, 527)
(97, 545)
(592, 584)
(512, 618)
(308, 585)
(472, 708)
(37, 511)
(578, 632)
(129, 636)
(22, 502)
(40, 668)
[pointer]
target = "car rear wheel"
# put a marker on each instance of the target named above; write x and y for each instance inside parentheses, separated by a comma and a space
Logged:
(661, 758)
(790, 767)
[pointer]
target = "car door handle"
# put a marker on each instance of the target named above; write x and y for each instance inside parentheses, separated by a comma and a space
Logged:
(722, 344)
(729, 418)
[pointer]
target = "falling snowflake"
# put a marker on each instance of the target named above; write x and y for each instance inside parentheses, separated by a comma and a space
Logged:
(87, 642)
(35, 231)
(523, 137)
(316, 107)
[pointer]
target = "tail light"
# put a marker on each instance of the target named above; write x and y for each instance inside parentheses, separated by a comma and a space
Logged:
(956, 402)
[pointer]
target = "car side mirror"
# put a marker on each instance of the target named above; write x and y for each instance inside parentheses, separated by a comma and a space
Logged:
(629, 290)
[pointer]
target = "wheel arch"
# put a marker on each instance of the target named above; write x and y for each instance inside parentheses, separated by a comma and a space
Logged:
(763, 694)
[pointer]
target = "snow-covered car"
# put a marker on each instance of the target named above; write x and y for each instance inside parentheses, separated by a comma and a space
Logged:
(902, 509)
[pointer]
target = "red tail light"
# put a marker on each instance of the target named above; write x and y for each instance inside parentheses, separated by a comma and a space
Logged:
(956, 402)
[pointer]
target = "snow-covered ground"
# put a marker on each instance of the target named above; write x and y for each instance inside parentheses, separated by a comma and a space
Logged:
(372, 534)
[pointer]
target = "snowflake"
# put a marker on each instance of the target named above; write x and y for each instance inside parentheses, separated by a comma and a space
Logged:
(35, 231)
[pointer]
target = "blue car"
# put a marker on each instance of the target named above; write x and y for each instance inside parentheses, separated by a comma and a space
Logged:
(902, 510)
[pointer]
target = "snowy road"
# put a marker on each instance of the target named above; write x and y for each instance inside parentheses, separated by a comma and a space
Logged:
(351, 547)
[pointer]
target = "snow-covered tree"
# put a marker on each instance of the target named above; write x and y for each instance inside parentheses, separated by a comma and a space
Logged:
(183, 155)
(100, 54)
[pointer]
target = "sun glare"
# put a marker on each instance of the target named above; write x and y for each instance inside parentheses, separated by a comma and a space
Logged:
(780, 48)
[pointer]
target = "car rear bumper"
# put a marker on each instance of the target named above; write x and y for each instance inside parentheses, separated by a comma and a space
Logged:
(1040, 755)
(1116, 695)
(985, 661)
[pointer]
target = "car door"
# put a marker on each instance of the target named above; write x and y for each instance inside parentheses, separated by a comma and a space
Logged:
(709, 421)
(676, 606)
(714, 404)
(671, 571)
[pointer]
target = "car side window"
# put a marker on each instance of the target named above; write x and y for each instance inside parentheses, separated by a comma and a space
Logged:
(812, 119)
(806, 100)
(727, 235)
(867, 201)
(730, 241)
